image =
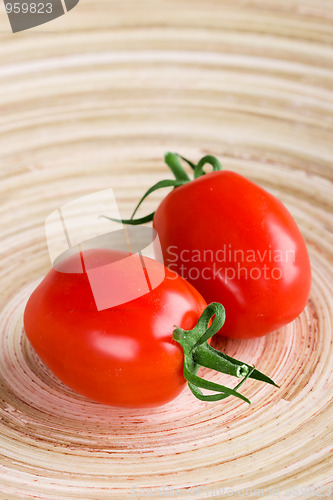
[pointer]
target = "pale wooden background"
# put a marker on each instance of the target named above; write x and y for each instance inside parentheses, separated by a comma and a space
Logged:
(93, 100)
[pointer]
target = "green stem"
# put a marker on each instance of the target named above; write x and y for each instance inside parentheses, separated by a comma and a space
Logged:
(211, 160)
(181, 178)
(209, 357)
(190, 163)
(159, 185)
(172, 160)
(198, 353)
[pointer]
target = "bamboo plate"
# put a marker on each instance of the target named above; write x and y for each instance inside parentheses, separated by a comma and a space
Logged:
(93, 100)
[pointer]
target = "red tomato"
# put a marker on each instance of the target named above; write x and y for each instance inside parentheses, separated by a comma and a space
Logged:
(123, 355)
(237, 244)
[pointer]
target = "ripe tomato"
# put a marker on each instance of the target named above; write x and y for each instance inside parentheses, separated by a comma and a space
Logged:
(123, 355)
(131, 354)
(237, 244)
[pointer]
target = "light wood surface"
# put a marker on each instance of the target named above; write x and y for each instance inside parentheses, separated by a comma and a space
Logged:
(93, 100)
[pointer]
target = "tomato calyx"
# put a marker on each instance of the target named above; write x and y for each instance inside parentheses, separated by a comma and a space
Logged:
(173, 162)
(198, 353)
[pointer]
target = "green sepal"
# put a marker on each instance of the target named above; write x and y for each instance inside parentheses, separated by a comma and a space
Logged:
(211, 160)
(198, 353)
(173, 162)
(159, 185)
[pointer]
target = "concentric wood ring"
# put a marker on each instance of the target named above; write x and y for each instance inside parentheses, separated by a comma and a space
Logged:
(94, 101)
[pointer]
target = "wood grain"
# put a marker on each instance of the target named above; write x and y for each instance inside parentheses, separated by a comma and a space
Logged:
(93, 100)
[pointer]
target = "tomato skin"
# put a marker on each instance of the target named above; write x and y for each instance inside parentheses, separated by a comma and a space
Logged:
(224, 210)
(122, 356)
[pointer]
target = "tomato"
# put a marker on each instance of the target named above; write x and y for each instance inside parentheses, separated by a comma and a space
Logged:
(127, 353)
(237, 244)
(123, 355)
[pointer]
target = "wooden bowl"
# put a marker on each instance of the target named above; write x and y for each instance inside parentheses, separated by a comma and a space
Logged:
(93, 100)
